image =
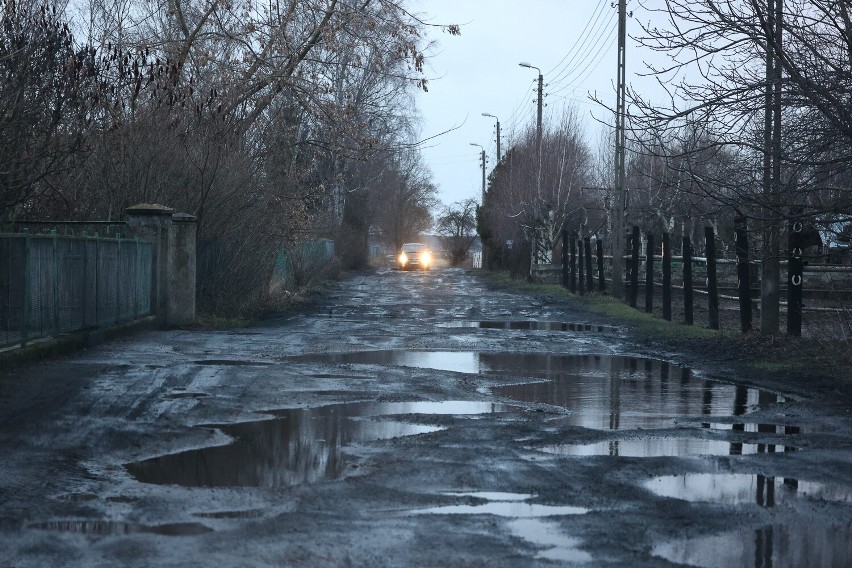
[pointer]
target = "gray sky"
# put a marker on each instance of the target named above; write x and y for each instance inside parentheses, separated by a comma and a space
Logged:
(478, 72)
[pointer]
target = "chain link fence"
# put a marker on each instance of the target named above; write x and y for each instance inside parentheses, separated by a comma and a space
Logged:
(51, 284)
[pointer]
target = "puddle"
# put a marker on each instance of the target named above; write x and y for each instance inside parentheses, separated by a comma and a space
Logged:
(738, 488)
(248, 514)
(185, 394)
(232, 362)
(618, 393)
(105, 528)
(557, 545)
(530, 325)
(526, 521)
(663, 447)
(602, 392)
(512, 505)
(513, 509)
(774, 546)
(77, 497)
(300, 445)
(752, 427)
(494, 495)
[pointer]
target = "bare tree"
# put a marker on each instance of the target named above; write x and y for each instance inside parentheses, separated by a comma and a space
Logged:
(729, 75)
(457, 225)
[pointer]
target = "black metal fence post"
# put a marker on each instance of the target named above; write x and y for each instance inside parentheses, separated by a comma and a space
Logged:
(794, 281)
(590, 277)
(688, 309)
(712, 282)
(581, 280)
(649, 273)
(743, 273)
(573, 269)
(634, 267)
(601, 275)
(565, 257)
(667, 277)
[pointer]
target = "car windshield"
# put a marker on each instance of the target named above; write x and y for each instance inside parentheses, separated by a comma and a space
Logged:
(413, 247)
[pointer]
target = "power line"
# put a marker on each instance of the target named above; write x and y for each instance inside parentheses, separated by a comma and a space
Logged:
(597, 32)
(579, 39)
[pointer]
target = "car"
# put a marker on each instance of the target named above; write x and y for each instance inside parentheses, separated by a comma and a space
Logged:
(414, 256)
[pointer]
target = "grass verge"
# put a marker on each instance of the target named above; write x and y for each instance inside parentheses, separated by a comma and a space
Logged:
(770, 354)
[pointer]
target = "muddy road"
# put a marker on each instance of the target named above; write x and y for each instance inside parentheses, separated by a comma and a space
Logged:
(416, 419)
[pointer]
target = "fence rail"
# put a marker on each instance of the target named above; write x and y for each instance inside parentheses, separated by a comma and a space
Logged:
(52, 284)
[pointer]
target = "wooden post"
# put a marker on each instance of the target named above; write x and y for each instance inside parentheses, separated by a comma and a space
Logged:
(634, 267)
(573, 269)
(582, 278)
(565, 258)
(712, 283)
(688, 318)
(649, 273)
(794, 281)
(667, 277)
(601, 275)
(743, 274)
(590, 277)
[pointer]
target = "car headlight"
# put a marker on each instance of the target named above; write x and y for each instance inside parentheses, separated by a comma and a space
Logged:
(425, 258)
(403, 259)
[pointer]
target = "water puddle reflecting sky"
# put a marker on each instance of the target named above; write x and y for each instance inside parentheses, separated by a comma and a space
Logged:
(602, 392)
(662, 447)
(740, 488)
(298, 446)
(774, 546)
(529, 325)
(528, 522)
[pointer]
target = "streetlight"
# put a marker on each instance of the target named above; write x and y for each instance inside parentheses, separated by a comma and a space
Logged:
(482, 157)
(540, 96)
(498, 133)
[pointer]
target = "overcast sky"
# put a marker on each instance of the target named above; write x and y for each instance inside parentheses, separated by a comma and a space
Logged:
(573, 42)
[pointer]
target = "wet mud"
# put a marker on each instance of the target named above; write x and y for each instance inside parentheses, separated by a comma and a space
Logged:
(418, 419)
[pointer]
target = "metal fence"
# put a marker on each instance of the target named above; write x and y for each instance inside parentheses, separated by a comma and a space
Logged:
(51, 284)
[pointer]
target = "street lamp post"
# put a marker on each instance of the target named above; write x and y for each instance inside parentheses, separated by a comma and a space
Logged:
(498, 133)
(538, 121)
(482, 158)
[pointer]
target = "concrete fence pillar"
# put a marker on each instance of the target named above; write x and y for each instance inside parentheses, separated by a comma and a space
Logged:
(172, 236)
(182, 270)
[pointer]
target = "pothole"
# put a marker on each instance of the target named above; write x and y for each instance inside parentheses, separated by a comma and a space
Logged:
(233, 362)
(778, 546)
(302, 445)
(246, 514)
(529, 325)
(527, 521)
(664, 447)
(602, 392)
(739, 488)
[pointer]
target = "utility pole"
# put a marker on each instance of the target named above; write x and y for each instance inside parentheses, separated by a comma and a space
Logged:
(770, 278)
(482, 159)
(620, 201)
(498, 133)
(538, 122)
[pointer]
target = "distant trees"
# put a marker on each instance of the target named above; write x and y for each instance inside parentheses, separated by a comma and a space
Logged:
(520, 209)
(457, 227)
